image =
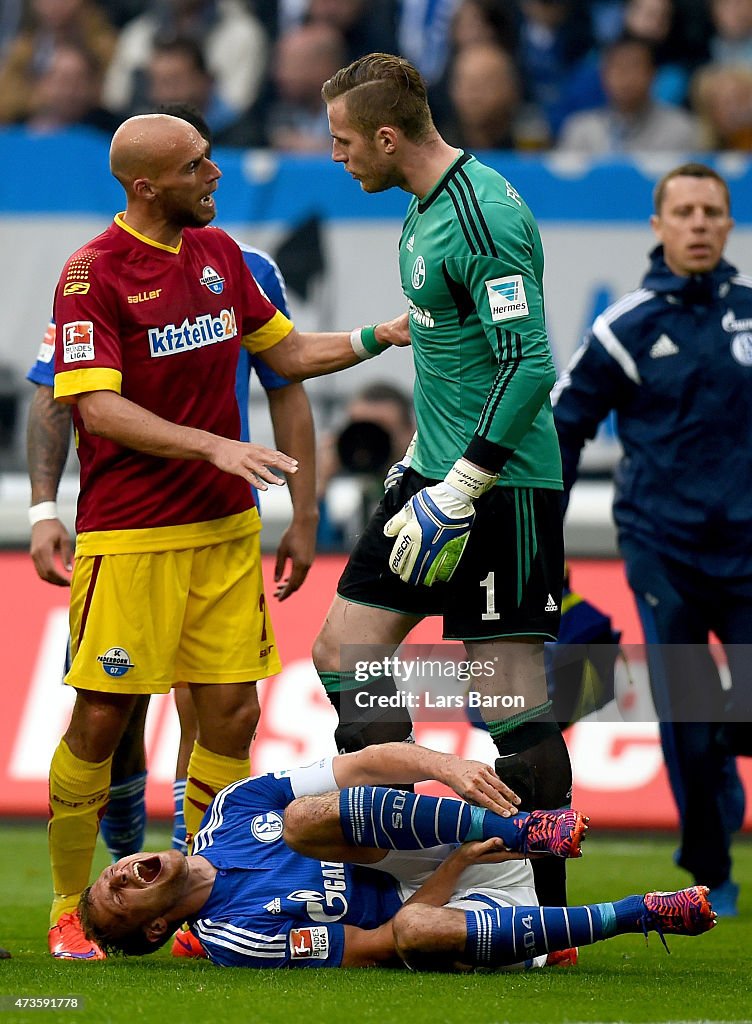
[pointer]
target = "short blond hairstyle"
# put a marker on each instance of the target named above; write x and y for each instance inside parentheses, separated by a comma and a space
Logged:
(382, 89)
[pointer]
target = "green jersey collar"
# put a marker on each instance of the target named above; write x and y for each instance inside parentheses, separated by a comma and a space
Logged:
(461, 160)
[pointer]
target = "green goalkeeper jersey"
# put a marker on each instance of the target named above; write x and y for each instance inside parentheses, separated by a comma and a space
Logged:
(471, 263)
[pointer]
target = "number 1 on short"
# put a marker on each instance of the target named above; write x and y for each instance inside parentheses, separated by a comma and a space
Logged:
(490, 614)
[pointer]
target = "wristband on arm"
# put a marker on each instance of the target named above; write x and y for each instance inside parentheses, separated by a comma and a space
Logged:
(483, 452)
(41, 511)
(469, 481)
(364, 343)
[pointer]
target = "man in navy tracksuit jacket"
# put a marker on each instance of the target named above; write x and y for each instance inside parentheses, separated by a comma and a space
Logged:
(674, 360)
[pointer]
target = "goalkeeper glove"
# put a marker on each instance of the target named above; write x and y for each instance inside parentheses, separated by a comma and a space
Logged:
(434, 526)
(394, 475)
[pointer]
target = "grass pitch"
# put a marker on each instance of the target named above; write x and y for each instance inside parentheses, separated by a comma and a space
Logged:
(704, 979)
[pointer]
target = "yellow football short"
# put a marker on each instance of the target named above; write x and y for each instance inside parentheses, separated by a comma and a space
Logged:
(141, 622)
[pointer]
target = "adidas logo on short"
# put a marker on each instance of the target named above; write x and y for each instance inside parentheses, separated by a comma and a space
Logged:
(551, 605)
(663, 347)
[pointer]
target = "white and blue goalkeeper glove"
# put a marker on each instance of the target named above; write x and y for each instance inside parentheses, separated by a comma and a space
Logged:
(432, 529)
(396, 472)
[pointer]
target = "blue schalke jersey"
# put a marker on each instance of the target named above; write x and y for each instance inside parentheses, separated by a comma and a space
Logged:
(270, 906)
(271, 282)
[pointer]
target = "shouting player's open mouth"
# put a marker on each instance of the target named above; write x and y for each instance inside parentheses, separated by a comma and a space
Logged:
(147, 870)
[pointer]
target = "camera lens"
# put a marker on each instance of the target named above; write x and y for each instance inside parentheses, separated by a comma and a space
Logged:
(364, 447)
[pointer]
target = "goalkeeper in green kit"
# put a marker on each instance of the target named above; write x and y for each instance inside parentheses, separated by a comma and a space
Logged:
(470, 524)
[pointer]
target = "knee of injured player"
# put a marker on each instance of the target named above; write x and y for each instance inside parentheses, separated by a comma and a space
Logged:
(312, 821)
(430, 938)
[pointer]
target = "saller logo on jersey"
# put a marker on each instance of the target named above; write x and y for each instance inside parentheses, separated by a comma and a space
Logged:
(309, 943)
(204, 330)
(506, 298)
(78, 341)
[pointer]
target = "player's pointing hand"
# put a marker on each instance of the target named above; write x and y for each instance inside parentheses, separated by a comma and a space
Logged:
(254, 462)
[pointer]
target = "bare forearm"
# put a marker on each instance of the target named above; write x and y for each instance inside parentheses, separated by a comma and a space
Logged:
(47, 442)
(369, 947)
(106, 414)
(292, 423)
(440, 886)
(310, 355)
(299, 356)
(388, 763)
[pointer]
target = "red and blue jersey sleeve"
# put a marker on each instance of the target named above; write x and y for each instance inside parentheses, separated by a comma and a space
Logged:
(43, 370)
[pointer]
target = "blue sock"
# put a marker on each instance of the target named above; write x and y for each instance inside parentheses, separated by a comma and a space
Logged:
(627, 914)
(124, 824)
(178, 818)
(511, 935)
(391, 819)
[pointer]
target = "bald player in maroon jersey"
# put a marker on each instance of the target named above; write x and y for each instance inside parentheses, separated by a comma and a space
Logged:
(167, 582)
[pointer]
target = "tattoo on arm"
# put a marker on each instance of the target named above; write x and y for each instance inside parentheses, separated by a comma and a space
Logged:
(47, 441)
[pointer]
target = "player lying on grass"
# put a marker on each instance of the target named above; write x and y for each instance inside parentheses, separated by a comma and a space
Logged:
(288, 872)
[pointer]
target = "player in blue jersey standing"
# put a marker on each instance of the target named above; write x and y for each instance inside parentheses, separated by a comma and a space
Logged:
(289, 872)
(674, 360)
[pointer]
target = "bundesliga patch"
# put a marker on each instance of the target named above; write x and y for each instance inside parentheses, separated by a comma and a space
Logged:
(506, 298)
(309, 943)
(78, 341)
(47, 349)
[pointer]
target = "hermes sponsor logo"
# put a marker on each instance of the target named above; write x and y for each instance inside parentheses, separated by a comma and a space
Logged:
(506, 298)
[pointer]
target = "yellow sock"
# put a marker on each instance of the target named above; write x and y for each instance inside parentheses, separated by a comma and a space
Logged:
(207, 774)
(78, 799)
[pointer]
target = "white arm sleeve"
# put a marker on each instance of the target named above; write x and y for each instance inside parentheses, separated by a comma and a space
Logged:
(312, 779)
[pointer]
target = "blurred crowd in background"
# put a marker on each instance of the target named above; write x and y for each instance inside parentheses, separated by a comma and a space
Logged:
(586, 76)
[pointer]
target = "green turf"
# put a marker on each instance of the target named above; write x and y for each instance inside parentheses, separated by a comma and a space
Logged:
(704, 979)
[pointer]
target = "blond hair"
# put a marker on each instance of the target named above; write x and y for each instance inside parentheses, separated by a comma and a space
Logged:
(382, 89)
